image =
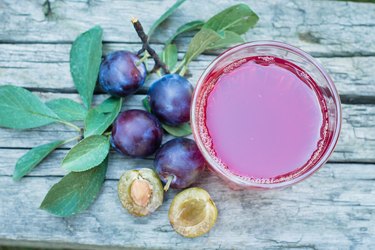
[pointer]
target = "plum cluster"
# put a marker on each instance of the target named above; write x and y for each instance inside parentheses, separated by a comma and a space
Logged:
(138, 133)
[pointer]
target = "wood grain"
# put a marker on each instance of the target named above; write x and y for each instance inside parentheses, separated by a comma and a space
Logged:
(320, 27)
(26, 66)
(334, 209)
(331, 210)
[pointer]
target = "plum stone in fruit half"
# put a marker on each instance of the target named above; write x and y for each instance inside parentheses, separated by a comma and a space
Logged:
(136, 133)
(179, 163)
(140, 191)
(170, 99)
(121, 73)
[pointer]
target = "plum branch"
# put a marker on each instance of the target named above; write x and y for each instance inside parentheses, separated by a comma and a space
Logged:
(146, 46)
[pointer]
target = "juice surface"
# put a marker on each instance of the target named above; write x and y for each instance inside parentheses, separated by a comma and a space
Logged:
(265, 118)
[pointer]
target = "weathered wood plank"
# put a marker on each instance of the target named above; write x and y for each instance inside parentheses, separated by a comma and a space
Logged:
(46, 67)
(335, 209)
(331, 210)
(337, 28)
(356, 143)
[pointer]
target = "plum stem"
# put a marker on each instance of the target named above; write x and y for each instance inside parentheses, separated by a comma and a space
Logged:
(146, 47)
(144, 58)
(179, 66)
(108, 133)
(169, 181)
(183, 70)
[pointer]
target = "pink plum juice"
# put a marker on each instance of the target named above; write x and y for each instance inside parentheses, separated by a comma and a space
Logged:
(263, 119)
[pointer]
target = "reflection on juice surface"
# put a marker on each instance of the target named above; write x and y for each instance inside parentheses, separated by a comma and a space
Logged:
(265, 119)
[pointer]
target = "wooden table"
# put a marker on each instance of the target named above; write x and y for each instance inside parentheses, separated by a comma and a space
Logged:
(334, 209)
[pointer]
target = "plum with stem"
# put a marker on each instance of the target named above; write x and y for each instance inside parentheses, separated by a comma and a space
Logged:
(179, 163)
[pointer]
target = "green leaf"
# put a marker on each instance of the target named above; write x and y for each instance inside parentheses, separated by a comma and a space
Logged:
(230, 38)
(75, 192)
(187, 27)
(87, 154)
(169, 56)
(238, 18)
(100, 118)
(146, 104)
(21, 109)
(97, 123)
(85, 59)
(178, 131)
(67, 109)
(108, 105)
(163, 17)
(32, 158)
(200, 42)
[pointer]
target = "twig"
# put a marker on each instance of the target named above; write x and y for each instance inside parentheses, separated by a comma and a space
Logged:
(146, 47)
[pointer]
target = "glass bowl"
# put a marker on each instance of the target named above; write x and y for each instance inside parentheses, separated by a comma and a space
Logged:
(271, 49)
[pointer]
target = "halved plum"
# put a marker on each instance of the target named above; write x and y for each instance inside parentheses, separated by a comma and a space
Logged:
(192, 212)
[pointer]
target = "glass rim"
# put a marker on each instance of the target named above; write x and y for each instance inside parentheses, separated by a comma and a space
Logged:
(247, 183)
